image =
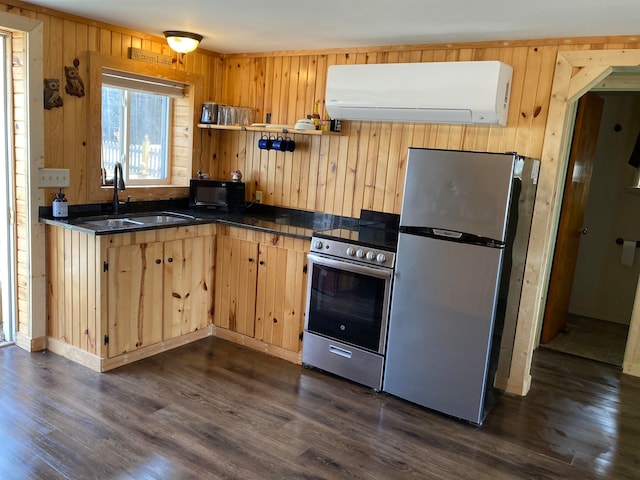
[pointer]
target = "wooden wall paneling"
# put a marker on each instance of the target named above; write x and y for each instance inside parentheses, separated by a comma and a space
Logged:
(285, 90)
(55, 296)
(93, 41)
(54, 118)
(267, 87)
(315, 80)
(309, 169)
(275, 83)
(543, 97)
(125, 44)
(92, 288)
(406, 142)
(75, 318)
(290, 97)
(256, 167)
(80, 105)
(329, 174)
(384, 162)
(67, 320)
(104, 41)
(258, 93)
(528, 99)
(116, 44)
(69, 137)
(346, 154)
(300, 160)
(392, 167)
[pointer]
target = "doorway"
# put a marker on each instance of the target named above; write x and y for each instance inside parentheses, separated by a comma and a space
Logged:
(602, 282)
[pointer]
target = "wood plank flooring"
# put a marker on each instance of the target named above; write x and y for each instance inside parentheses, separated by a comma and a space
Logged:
(213, 410)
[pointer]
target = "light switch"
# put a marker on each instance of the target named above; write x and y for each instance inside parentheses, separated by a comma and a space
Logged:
(53, 177)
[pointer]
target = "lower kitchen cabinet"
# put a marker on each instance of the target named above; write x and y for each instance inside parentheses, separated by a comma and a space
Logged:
(114, 299)
(236, 279)
(261, 290)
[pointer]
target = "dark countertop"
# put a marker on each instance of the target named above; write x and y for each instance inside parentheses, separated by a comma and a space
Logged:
(283, 221)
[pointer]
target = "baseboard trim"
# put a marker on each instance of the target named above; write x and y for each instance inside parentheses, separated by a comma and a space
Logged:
(74, 354)
(274, 351)
(99, 364)
(144, 352)
(30, 344)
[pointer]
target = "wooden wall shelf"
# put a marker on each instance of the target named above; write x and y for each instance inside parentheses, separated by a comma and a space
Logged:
(280, 129)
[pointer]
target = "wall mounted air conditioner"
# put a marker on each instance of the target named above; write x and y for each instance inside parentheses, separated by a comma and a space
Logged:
(438, 92)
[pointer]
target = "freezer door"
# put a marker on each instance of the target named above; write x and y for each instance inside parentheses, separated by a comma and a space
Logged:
(465, 192)
(441, 323)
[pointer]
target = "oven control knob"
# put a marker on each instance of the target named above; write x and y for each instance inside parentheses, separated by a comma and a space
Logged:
(351, 251)
(371, 256)
(381, 258)
(360, 253)
(318, 244)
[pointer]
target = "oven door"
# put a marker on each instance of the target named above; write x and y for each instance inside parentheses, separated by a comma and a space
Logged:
(348, 302)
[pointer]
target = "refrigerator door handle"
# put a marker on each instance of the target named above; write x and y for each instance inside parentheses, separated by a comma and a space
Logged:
(447, 233)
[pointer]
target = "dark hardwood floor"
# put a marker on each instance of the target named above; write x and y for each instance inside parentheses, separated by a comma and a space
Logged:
(213, 409)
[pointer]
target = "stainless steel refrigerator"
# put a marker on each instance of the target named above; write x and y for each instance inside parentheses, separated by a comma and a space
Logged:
(464, 231)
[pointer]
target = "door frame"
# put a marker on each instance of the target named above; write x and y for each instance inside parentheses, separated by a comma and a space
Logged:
(31, 312)
(582, 155)
(576, 73)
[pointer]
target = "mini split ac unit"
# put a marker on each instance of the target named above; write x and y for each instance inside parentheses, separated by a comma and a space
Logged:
(438, 92)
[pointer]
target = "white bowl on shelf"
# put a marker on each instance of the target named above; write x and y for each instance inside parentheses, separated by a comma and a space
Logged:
(304, 124)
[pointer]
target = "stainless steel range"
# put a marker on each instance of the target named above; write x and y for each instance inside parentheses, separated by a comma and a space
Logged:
(348, 298)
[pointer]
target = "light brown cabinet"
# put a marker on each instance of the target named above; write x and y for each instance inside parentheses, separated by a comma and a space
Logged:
(117, 298)
(157, 291)
(236, 279)
(261, 290)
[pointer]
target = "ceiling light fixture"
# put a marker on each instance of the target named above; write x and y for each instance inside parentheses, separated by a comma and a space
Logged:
(182, 42)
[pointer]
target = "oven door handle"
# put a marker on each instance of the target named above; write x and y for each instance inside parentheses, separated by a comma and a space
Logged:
(351, 267)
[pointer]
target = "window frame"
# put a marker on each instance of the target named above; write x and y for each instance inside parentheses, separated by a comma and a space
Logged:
(125, 140)
(182, 129)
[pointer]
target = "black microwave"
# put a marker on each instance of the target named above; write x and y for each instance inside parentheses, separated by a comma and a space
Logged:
(223, 195)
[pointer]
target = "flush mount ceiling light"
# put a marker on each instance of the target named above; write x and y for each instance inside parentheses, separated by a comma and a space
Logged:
(182, 42)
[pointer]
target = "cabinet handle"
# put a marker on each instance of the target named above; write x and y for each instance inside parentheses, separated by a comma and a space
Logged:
(170, 260)
(158, 261)
(261, 262)
(250, 259)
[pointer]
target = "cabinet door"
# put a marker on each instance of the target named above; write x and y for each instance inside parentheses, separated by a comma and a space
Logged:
(236, 277)
(134, 283)
(281, 296)
(188, 285)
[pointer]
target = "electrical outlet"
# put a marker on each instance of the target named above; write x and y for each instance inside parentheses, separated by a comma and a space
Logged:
(53, 177)
(258, 196)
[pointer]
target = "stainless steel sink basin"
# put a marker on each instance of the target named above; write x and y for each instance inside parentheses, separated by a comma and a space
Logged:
(133, 220)
(114, 223)
(160, 219)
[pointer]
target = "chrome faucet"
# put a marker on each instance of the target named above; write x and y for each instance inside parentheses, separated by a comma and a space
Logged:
(118, 184)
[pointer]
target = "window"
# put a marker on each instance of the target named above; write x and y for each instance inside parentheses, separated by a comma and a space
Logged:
(136, 126)
(183, 91)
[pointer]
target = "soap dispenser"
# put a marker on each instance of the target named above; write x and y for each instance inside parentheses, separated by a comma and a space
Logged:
(60, 205)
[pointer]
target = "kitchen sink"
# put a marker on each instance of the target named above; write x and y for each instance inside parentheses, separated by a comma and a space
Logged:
(159, 219)
(133, 220)
(114, 223)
